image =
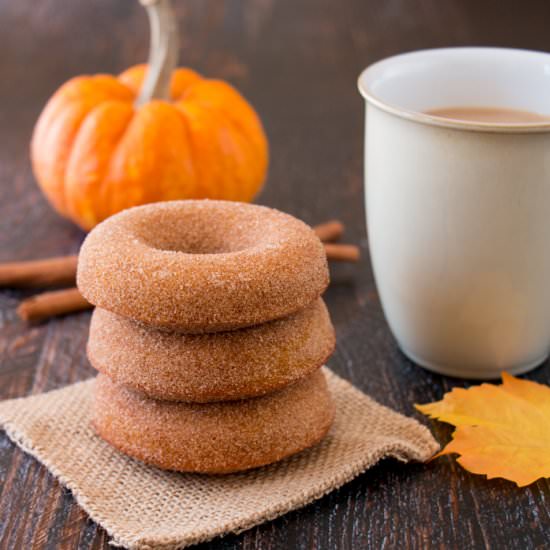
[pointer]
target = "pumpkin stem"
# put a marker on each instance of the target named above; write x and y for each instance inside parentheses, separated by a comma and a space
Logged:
(163, 52)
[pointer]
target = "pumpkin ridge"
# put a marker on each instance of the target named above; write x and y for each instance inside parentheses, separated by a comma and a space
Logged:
(64, 110)
(55, 105)
(256, 147)
(236, 122)
(128, 78)
(221, 107)
(66, 207)
(74, 210)
(221, 188)
(177, 75)
(115, 179)
(240, 129)
(108, 199)
(234, 128)
(111, 84)
(192, 147)
(104, 192)
(78, 95)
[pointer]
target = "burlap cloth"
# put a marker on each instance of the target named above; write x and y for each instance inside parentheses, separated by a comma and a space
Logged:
(143, 507)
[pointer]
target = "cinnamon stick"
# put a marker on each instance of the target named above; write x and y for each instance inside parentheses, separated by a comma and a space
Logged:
(49, 272)
(342, 252)
(49, 304)
(329, 231)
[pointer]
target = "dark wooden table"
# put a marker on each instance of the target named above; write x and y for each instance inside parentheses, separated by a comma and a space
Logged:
(297, 61)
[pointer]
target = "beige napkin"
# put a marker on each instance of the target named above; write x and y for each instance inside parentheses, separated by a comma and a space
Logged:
(143, 507)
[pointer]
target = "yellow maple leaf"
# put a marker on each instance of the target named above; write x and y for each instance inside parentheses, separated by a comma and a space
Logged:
(501, 431)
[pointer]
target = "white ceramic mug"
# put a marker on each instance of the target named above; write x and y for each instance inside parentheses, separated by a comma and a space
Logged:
(458, 213)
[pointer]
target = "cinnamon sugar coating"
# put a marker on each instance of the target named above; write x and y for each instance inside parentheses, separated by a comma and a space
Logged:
(214, 437)
(211, 367)
(202, 266)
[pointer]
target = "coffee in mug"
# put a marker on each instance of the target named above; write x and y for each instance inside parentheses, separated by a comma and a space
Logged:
(495, 115)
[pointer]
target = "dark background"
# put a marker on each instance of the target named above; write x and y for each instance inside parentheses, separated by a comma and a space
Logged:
(297, 61)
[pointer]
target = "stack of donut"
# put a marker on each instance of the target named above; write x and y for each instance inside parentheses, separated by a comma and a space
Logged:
(208, 335)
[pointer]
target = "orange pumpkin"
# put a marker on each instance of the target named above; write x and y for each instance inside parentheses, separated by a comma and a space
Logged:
(99, 147)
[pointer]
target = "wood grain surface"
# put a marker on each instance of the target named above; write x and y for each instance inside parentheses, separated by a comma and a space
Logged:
(297, 61)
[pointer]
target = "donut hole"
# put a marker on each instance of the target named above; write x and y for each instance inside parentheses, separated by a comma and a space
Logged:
(193, 232)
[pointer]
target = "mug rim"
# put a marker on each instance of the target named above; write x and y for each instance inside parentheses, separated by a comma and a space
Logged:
(424, 118)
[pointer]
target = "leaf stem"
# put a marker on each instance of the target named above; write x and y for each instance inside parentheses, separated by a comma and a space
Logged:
(163, 51)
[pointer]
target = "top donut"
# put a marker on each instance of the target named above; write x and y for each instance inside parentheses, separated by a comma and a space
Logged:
(201, 265)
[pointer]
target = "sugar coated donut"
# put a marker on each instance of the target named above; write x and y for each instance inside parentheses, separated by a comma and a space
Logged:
(211, 367)
(214, 437)
(202, 266)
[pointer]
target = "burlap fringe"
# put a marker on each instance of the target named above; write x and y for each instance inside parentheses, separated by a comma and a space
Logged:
(145, 508)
